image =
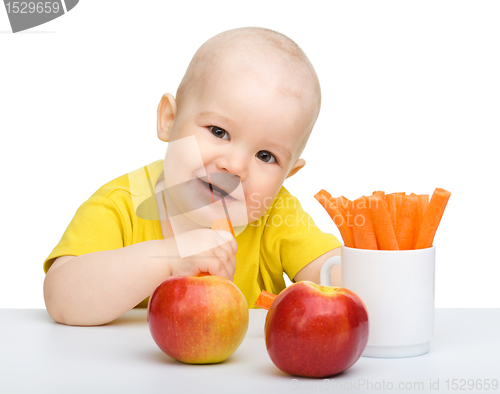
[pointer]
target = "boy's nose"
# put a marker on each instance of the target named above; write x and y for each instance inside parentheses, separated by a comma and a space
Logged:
(232, 163)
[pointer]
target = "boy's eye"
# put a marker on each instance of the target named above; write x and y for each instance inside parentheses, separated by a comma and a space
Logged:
(266, 156)
(218, 132)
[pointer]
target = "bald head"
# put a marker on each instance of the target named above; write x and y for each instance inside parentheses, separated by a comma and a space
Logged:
(262, 54)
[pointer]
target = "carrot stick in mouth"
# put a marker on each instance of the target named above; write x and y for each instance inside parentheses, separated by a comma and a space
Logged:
(382, 224)
(432, 218)
(211, 190)
(223, 224)
(228, 226)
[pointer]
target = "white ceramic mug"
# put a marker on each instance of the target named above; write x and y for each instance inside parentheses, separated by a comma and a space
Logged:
(397, 287)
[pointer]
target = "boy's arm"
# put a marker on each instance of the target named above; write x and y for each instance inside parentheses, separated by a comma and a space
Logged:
(96, 288)
(311, 271)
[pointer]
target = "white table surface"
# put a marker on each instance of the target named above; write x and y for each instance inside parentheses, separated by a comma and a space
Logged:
(38, 355)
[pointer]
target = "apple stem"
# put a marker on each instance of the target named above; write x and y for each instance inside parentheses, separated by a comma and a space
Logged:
(203, 274)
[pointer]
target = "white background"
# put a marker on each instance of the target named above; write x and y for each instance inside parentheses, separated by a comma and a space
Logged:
(411, 102)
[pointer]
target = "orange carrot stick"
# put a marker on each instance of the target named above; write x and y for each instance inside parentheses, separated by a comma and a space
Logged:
(407, 222)
(346, 204)
(432, 218)
(323, 198)
(343, 202)
(384, 231)
(265, 299)
(399, 200)
(341, 210)
(363, 231)
(340, 202)
(223, 224)
(350, 221)
(391, 205)
(380, 193)
(327, 201)
(423, 202)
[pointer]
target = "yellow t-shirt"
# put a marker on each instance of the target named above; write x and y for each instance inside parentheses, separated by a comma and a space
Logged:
(285, 239)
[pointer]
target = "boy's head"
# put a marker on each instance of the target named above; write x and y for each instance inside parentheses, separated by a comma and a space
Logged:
(250, 97)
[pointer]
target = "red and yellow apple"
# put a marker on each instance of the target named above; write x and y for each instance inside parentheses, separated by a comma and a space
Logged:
(316, 331)
(198, 320)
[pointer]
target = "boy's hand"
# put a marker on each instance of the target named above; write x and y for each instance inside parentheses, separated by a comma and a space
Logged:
(219, 260)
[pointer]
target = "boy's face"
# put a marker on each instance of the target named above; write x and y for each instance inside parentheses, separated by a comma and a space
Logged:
(246, 126)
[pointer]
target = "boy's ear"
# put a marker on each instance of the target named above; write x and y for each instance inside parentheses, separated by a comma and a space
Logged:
(165, 116)
(296, 167)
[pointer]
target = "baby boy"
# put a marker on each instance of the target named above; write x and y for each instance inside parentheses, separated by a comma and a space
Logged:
(249, 99)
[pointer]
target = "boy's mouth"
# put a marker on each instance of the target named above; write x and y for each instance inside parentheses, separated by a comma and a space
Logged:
(216, 190)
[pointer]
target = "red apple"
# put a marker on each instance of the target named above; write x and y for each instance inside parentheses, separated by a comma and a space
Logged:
(198, 320)
(316, 331)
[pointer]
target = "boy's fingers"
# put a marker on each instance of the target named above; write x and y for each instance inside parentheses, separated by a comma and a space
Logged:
(221, 270)
(233, 265)
(221, 254)
(228, 248)
(224, 259)
(231, 258)
(227, 236)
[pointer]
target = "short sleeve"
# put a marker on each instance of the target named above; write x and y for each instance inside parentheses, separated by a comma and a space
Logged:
(97, 225)
(291, 239)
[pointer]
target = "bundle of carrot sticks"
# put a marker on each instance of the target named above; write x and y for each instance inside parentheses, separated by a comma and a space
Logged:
(396, 221)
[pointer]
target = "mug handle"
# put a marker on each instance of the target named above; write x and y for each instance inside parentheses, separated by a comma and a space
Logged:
(326, 270)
